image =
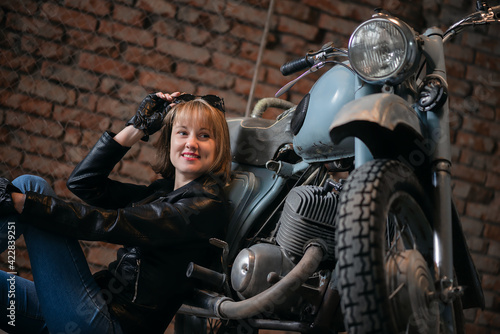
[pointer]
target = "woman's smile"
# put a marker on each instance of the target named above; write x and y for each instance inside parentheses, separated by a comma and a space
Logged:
(192, 150)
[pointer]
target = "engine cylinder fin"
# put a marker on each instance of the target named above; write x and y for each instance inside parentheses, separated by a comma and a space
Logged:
(308, 213)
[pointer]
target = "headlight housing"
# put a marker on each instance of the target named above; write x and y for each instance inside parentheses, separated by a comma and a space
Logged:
(383, 50)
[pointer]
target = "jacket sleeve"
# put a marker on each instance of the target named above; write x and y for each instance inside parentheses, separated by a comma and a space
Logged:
(153, 224)
(90, 182)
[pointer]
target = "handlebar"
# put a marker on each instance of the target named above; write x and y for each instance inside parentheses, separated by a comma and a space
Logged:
(296, 65)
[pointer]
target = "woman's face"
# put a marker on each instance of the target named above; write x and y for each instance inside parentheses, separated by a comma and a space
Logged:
(192, 150)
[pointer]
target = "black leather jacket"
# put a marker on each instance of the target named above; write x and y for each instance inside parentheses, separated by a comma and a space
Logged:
(167, 229)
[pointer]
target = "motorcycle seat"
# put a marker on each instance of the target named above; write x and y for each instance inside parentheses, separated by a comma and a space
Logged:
(238, 192)
(254, 141)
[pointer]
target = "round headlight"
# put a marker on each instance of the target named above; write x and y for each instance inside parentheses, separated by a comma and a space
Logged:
(382, 50)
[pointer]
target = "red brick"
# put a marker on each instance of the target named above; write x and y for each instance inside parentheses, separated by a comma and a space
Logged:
(306, 31)
(126, 33)
(45, 49)
(225, 44)
(81, 118)
(293, 9)
(242, 86)
(146, 152)
(90, 137)
(248, 14)
(478, 143)
(165, 27)
(34, 26)
(11, 156)
(165, 83)
(245, 32)
(486, 264)
(486, 85)
(459, 87)
(44, 127)
(69, 17)
(482, 127)
(488, 212)
(481, 42)
(62, 191)
(39, 165)
(98, 7)
(205, 74)
(8, 78)
(476, 244)
(87, 101)
(105, 65)
(468, 174)
(101, 255)
(149, 58)
(21, 6)
(47, 90)
(72, 135)
(491, 282)
(114, 108)
(274, 58)
(459, 53)
(488, 318)
(274, 77)
(337, 25)
(14, 61)
(159, 7)
(294, 45)
(128, 15)
(75, 154)
(238, 66)
(196, 36)
(455, 69)
(465, 107)
(123, 90)
(183, 50)
(34, 144)
(70, 75)
(92, 42)
(137, 170)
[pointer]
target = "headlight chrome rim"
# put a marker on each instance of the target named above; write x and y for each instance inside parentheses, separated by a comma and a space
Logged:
(410, 56)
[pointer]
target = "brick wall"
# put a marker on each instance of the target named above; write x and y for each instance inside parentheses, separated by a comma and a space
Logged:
(70, 69)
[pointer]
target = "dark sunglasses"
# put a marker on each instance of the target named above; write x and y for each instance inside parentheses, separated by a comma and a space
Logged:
(213, 100)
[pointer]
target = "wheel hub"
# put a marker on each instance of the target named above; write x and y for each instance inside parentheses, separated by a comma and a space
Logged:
(411, 290)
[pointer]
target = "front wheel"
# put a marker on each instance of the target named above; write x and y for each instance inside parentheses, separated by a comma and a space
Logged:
(384, 249)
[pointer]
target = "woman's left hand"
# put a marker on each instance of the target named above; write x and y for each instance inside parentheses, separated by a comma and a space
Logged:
(151, 112)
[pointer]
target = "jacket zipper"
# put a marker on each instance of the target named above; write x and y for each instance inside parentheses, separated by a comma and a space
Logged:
(137, 279)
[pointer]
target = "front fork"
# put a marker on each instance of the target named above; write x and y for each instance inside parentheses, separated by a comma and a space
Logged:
(439, 131)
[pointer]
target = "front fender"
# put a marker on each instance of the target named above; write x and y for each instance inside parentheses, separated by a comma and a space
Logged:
(384, 122)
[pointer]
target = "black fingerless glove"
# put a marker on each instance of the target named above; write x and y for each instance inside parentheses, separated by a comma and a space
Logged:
(6, 203)
(149, 116)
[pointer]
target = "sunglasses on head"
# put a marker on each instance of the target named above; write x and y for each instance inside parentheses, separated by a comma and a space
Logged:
(212, 100)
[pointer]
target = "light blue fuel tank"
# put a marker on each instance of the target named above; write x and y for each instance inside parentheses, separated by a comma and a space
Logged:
(329, 94)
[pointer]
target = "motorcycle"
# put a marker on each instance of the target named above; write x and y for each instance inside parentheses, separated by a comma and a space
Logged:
(381, 251)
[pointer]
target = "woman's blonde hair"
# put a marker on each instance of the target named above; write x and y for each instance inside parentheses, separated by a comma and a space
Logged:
(200, 112)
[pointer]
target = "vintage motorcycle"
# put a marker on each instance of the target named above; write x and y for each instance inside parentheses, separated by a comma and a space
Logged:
(382, 251)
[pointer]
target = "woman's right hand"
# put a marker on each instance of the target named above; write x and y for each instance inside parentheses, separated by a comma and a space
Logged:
(7, 204)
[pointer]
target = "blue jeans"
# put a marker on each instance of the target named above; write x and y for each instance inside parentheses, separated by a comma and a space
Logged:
(64, 297)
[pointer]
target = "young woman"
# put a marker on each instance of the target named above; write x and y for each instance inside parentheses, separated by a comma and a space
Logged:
(163, 226)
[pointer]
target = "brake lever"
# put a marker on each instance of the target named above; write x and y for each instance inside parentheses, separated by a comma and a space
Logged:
(289, 85)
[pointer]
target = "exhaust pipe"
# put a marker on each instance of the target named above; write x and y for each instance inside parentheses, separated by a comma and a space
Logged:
(277, 294)
(210, 305)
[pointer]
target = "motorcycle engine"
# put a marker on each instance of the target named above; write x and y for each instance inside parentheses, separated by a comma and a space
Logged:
(308, 214)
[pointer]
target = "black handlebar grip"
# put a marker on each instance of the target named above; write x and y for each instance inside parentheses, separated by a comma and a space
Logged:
(296, 65)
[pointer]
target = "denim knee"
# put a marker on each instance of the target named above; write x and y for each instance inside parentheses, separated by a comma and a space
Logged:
(33, 183)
